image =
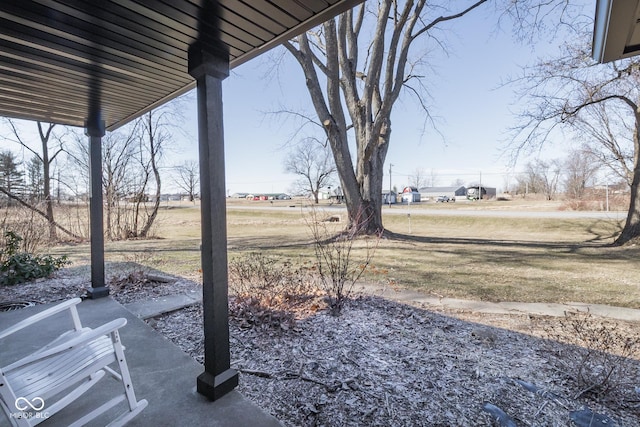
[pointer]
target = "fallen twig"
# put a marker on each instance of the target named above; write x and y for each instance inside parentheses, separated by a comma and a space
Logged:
(261, 374)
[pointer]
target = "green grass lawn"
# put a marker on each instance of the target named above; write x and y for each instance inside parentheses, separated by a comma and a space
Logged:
(493, 259)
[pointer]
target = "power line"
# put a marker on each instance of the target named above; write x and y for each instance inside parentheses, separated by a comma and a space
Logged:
(436, 173)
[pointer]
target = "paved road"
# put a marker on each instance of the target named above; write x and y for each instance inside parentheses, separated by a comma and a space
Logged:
(616, 215)
(463, 211)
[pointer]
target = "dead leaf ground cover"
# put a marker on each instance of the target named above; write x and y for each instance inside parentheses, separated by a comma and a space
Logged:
(382, 363)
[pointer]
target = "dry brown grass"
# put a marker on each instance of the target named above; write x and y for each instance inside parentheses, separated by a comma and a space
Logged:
(494, 259)
(509, 259)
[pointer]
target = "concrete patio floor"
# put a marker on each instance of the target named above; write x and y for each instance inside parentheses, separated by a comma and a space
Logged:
(162, 374)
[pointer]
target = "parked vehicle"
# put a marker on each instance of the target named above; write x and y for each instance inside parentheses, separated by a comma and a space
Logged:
(443, 199)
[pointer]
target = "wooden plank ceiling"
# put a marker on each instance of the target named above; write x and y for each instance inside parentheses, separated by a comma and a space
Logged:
(58, 55)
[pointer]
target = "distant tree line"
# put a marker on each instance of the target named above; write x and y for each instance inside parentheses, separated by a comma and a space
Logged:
(579, 176)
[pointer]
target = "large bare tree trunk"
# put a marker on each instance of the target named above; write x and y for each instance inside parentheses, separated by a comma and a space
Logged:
(369, 95)
(154, 138)
(156, 174)
(46, 164)
(631, 230)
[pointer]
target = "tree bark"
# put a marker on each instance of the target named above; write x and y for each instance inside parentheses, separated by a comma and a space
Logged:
(368, 95)
(154, 149)
(631, 230)
(46, 164)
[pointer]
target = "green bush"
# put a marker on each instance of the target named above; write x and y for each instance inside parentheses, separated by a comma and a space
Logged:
(19, 267)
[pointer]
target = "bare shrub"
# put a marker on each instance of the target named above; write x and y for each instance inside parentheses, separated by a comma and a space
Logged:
(580, 205)
(342, 256)
(270, 292)
(619, 202)
(75, 217)
(26, 224)
(599, 356)
(597, 201)
(127, 217)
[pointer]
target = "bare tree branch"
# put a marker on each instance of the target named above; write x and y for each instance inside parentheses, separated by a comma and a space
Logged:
(573, 93)
(39, 212)
(365, 77)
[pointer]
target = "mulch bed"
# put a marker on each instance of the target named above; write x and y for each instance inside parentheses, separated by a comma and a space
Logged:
(382, 363)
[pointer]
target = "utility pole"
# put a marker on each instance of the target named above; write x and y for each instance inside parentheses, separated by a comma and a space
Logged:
(390, 189)
(58, 182)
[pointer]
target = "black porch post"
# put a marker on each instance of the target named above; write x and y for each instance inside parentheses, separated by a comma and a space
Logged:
(95, 131)
(209, 69)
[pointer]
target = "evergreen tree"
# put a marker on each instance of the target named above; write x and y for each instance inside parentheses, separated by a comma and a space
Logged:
(11, 178)
(35, 179)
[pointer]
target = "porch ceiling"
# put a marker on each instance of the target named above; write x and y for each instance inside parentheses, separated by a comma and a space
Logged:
(56, 56)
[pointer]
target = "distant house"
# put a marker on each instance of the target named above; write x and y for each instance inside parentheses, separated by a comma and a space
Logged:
(389, 198)
(338, 195)
(432, 193)
(323, 193)
(484, 193)
(169, 197)
(239, 195)
(274, 196)
(410, 195)
(329, 193)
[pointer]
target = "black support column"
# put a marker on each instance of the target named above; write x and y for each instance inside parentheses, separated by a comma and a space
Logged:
(95, 131)
(209, 69)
